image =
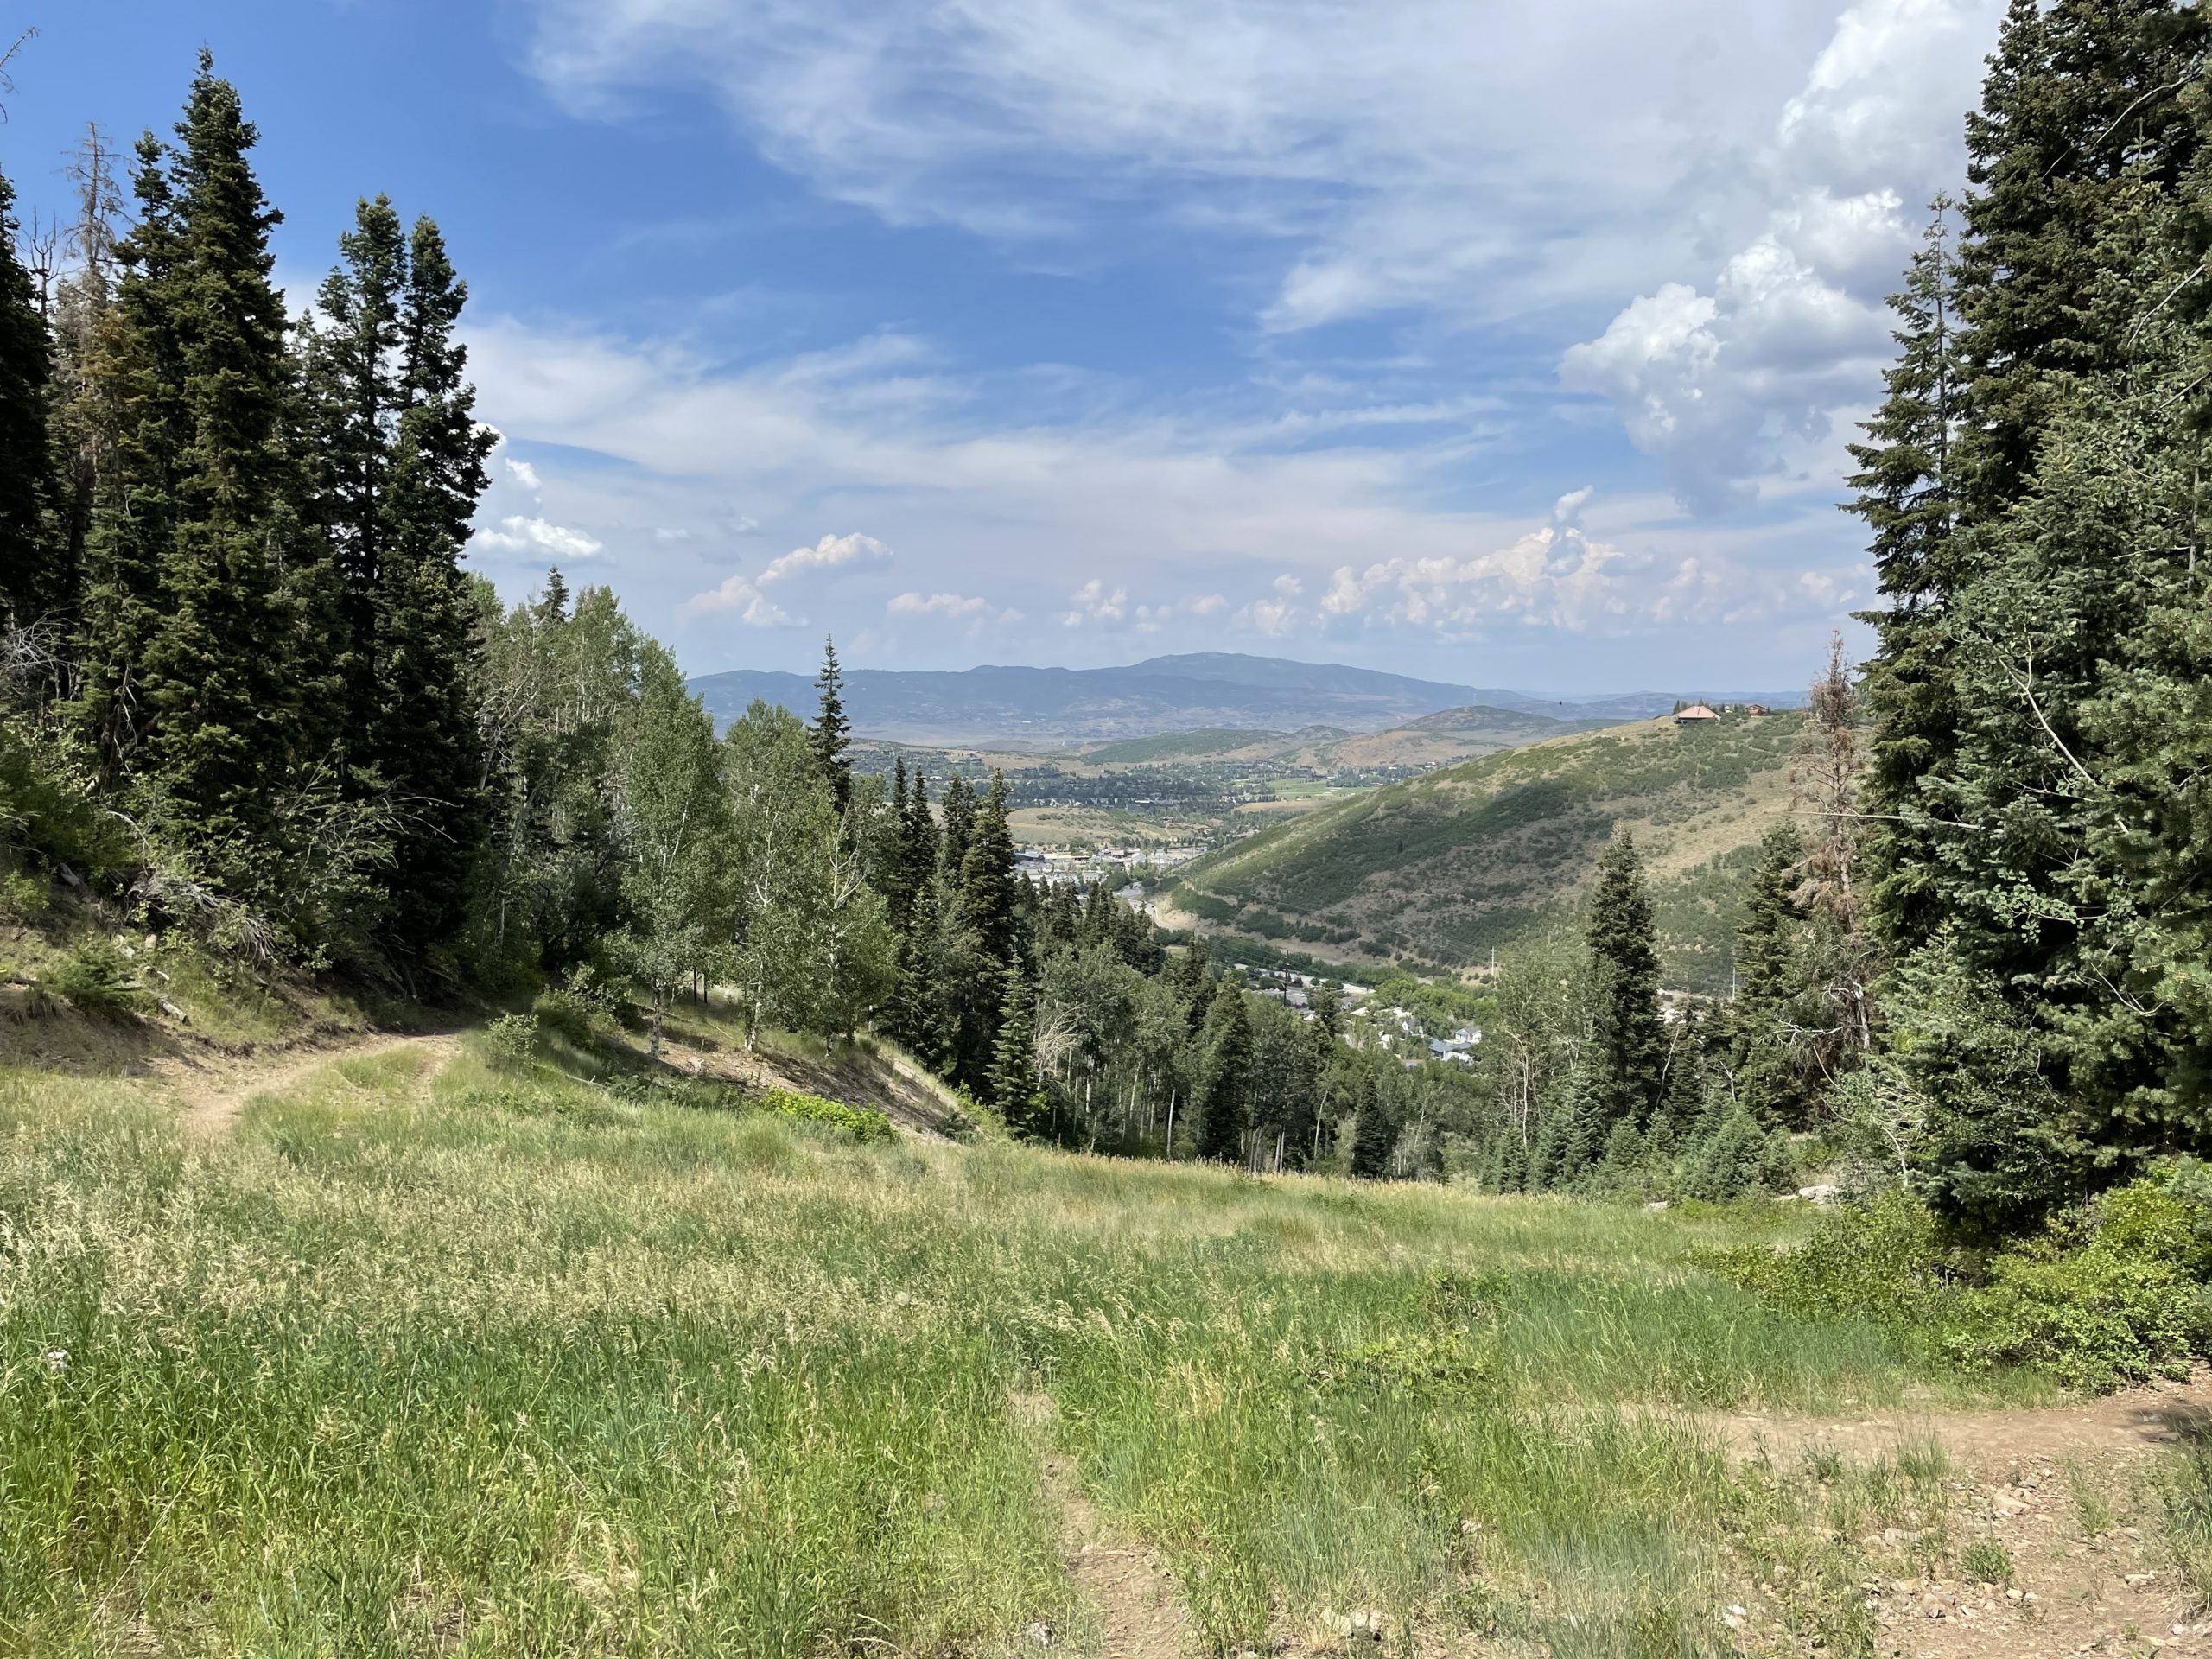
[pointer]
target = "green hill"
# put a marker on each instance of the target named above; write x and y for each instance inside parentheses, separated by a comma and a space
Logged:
(1449, 866)
(1208, 744)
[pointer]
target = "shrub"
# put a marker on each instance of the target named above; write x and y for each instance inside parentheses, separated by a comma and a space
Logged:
(2107, 1294)
(862, 1123)
(1885, 1261)
(2092, 1318)
(513, 1038)
(23, 896)
(583, 1008)
(94, 977)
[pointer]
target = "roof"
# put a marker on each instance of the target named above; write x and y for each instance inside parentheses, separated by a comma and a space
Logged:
(1695, 711)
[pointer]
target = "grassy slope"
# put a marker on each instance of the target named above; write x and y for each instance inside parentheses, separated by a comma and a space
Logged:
(1450, 865)
(500, 1362)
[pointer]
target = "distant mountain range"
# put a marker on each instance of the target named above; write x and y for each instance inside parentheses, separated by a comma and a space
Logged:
(1050, 707)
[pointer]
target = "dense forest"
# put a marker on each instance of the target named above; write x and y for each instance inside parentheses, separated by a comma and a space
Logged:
(255, 701)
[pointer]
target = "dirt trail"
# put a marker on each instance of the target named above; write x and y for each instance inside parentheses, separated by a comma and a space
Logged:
(2064, 1490)
(2137, 1419)
(215, 1093)
(1140, 1610)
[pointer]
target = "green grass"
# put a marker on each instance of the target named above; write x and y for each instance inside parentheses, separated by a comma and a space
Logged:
(503, 1362)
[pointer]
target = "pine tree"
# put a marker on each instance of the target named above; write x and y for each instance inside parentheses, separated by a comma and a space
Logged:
(1770, 968)
(130, 409)
(1628, 1041)
(831, 733)
(990, 891)
(34, 583)
(1015, 1087)
(216, 676)
(1220, 1108)
(353, 380)
(1373, 1135)
(1908, 494)
(1194, 979)
(959, 827)
(428, 653)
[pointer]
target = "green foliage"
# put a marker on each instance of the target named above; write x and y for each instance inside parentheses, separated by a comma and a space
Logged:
(513, 1038)
(93, 977)
(1986, 1561)
(861, 1123)
(2106, 1297)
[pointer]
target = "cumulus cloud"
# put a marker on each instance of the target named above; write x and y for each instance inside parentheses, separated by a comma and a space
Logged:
(831, 553)
(524, 474)
(1744, 382)
(736, 596)
(1097, 603)
(520, 535)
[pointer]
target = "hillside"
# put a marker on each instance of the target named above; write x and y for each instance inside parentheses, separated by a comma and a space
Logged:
(1217, 692)
(1449, 866)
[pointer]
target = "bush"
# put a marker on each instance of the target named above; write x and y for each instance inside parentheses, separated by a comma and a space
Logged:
(93, 978)
(862, 1123)
(513, 1038)
(2094, 1319)
(582, 1008)
(23, 896)
(2108, 1294)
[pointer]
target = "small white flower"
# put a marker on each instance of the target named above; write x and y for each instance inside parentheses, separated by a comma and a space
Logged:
(57, 1359)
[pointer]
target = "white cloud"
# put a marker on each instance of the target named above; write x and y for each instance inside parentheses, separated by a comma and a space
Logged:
(521, 535)
(735, 596)
(524, 474)
(831, 553)
(1410, 153)
(1743, 387)
(1094, 602)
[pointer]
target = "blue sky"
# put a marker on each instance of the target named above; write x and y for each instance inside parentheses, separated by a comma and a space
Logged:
(1497, 343)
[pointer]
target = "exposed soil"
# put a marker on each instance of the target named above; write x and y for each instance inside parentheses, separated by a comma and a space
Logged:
(2064, 1490)
(1139, 1608)
(215, 1088)
(2137, 1419)
(856, 1075)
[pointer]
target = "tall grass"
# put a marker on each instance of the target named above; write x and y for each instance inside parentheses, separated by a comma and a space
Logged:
(502, 1362)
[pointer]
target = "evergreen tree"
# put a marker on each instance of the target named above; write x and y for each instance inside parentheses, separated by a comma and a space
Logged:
(1908, 494)
(1770, 966)
(353, 375)
(832, 734)
(200, 507)
(1374, 1135)
(1628, 1042)
(428, 649)
(989, 890)
(32, 581)
(1220, 1107)
(129, 409)
(1015, 1087)
(959, 828)
(1194, 979)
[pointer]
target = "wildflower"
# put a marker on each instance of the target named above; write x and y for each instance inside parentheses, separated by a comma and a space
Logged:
(57, 1359)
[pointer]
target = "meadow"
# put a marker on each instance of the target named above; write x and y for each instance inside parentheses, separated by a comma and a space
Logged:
(493, 1359)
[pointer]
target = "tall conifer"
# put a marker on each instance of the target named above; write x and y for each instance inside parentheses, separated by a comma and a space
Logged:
(32, 581)
(1628, 1043)
(832, 734)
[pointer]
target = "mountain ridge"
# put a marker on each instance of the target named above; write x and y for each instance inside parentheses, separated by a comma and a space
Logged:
(1220, 691)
